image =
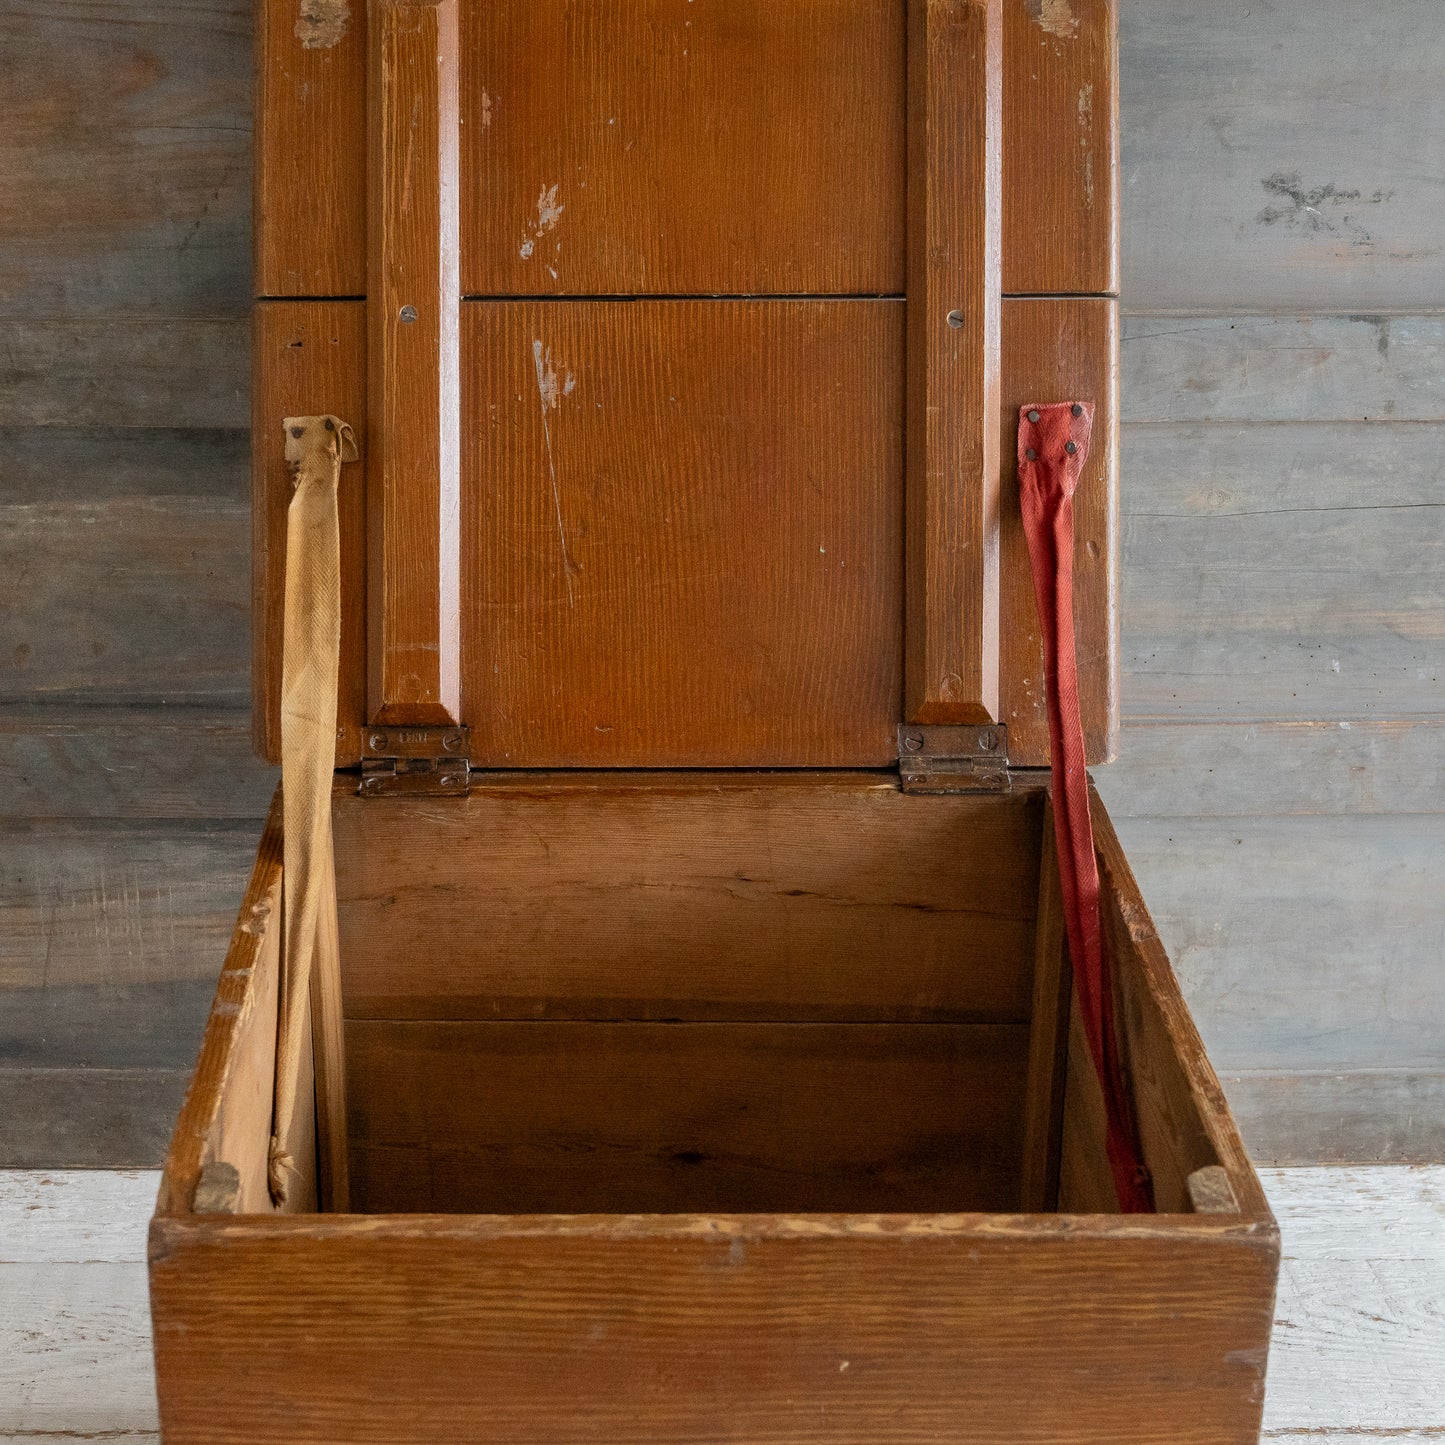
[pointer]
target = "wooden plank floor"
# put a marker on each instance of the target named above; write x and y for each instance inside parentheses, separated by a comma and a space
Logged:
(1359, 1343)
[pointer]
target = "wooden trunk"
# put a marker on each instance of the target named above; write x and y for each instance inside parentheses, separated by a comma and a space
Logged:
(695, 1076)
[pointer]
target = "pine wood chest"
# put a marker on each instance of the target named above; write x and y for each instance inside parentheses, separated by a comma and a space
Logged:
(704, 1063)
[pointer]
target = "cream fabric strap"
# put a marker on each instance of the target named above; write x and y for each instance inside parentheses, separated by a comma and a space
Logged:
(316, 446)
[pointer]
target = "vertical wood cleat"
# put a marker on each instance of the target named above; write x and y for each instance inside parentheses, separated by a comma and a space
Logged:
(316, 447)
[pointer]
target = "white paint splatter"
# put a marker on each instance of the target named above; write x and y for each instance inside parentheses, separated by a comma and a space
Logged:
(548, 211)
(1055, 16)
(1086, 140)
(548, 214)
(322, 23)
(486, 110)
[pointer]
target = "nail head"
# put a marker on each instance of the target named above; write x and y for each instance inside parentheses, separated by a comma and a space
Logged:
(1077, 409)
(1033, 416)
(1070, 447)
(955, 319)
(1030, 454)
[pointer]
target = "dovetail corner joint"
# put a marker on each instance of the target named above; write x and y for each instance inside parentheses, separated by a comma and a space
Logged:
(953, 759)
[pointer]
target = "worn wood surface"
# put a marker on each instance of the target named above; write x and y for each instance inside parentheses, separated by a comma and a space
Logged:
(713, 897)
(632, 1118)
(626, 165)
(955, 220)
(1362, 1267)
(1031, 1331)
(675, 554)
(123, 263)
(1061, 152)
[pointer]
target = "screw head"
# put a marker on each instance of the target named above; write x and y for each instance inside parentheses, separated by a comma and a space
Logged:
(987, 740)
(955, 319)
(371, 784)
(1030, 454)
(407, 313)
(1034, 417)
(913, 741)
(1076, 409)
(449, 780)
(377, 742)
(452, 742)
(1070, 447)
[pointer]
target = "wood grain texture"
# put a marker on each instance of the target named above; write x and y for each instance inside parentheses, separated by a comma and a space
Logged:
(719, 896)
(624, 163)
(122, 762)
(309, 359)
(1061, 149)
(955, 142)
(413, 363)
(226, 1051)
(633, 1118)
(1315, 943)
(1278, 768)
(673, 554)
(118, 371)
(1060, 349)
(1301, 147)
(1184, 1121)
(125, 158)
(172, 622)
(96, 1219)
(1049, 1018)
(1354, 368)
(1396, 1116)
(310, 161)
(89, 1118)
(1032, 1332)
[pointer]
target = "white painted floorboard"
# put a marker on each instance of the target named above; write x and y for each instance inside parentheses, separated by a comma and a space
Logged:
(1358, 1355)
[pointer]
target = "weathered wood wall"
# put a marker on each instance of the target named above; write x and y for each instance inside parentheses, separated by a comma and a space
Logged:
(1280, 780)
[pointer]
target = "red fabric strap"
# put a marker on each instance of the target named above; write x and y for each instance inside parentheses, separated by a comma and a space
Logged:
(1053, 447)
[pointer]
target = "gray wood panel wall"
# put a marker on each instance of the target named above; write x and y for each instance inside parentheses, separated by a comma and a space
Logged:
(1280, 778)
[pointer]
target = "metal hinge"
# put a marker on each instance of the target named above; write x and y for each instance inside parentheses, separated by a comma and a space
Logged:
(954, 759)
(428, 761)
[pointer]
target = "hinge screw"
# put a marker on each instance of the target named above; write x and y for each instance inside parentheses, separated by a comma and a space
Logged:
(378, 742)
(449, 780)
(371, 784)
(913, 741)
(987, 740)
(452, 741)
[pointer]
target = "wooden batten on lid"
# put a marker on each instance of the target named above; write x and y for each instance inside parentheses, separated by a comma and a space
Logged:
(681, 445)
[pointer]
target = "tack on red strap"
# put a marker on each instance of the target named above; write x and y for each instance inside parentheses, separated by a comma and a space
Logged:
(1053, 447)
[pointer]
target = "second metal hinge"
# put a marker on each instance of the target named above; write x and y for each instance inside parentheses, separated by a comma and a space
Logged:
(432, 762)
(953, 759)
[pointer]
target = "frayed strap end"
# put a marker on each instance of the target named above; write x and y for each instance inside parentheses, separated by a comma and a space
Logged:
(280, 1168)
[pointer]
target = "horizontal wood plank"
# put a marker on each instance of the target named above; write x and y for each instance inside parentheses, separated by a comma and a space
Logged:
(700, 897)
(88, 1118)
(499, 1118)
(1262, 579)
(1276, 768)
(169, 622)
(125, 158)
(1241, 368)
(1270, 164)
(118, 904)
(1395, 1116)
(101, 371)
(1031, 1333)
(1313, 944)
(120, 762)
